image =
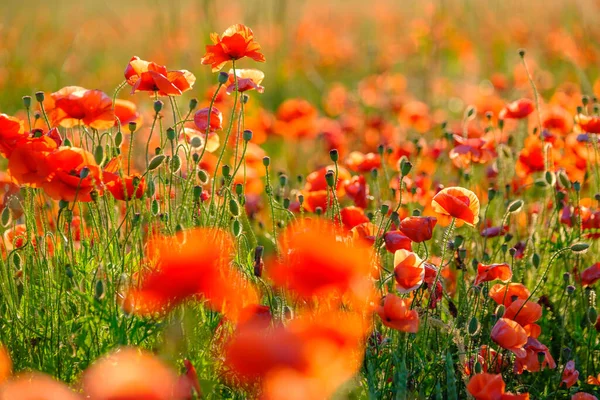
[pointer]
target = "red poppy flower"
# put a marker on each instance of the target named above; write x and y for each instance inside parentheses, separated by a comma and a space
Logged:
(5, 365)
(36, 385)
(518, 109)
(126, 112)
(486, 386)
(201, 119)
(530, 362)
(395, 240)
(11, 131)
(356, 188)
(485, 357)
(588, 123)
(28, 158)
(525, 313)
(570, 375)
(237, 42)
(353, 216)
(131, 374)
(71, 173)
(316, 187)
(506, 294)
(557, 119)
(93, 108)
(583, 396)
(510, 336)
(590, 275)
(467, 151)
(494, 231)
(247, 79)
(360, 162)
(122, 187)
(146, 76)
(488, 273)
(195, 263)
(316, 263)
(458, 203)
(409, 270)
(418, 229)
(395, 313)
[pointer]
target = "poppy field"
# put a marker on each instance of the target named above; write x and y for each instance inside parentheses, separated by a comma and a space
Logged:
(298, 199)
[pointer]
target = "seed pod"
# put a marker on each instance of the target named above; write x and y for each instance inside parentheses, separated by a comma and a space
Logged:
(156, 162)
(171, 133)
(330, 178)
(247, 135)
(266, 161)
(196, 142)
(132, 126)
(223, 77)
(239, 189)
(286, 203)
(27, 102)
(158, 105)
(39, 96)
(334, 155)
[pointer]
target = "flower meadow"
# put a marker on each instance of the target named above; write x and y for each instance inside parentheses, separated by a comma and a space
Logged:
(417, 217)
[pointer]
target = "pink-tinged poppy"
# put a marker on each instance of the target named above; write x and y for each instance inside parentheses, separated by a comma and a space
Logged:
(201, 119)
(590, 275)
(531, 362)
(130, 373)
(489, 273)
(494, 231)
(511, 336)
(418, 229)
(518, 109)
(235, 43)
(34, 386)
(583, 396)
(458, 203)
(409, 270)
(588, 123)
(146, 76)
(247, 79)
(570, 375)
(395, 313)
(395, 240)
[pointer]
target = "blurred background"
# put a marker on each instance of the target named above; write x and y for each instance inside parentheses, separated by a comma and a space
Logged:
(309, 44)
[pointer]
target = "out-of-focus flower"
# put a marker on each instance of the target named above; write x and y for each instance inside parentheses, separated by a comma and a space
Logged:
(457, 202)
(147, 76)
(36, 386)
(28, 159)
(296, 119)
(236, 42)
(5, 365)
(588, 123)
(395, 313)
(360, 162)
(467, 151)
(570, 375)
(590, 275)
(11, 131)
(518, 109)
(353, 216)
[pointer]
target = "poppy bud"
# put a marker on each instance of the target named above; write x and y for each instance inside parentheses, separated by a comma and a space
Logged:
(334, 155)
(535, 260)
(380, 149)
(39, 96)
(330, 178)
(67, 143)
(550, 178)
(566, 352)
(154, 207)
(99, 290)
(374, 173)
(193, 104)
(500, 310)
(197, 192)
(132, 126)
(515, 206)
(416, 212)
(196, 142)
(5, 217)
(579, 248)
(478, 367)
(171, 133)
(504, 248)
(245, 98)
(156, 162)
(223, 77)
(570, 289)
(27, 102)
(236, 228)
(286, 203)
(175, 164)
(318, 211)
(266, 161)
(405, 166)
(157, 151)
(196, 158)
(158, 105)
(384, 209)
(541, 356)
(99, 154)
(474, 326)
(283, 179)
(118, 139)
(151, 188)
(471, 110)
(234, 208)
(566, 277)
(17, 260)
(203, 176)
(491, 194)
(226, 170)
(247, 135)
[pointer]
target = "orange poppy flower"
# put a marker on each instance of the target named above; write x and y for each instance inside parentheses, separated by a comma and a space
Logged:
(126, 112)
(395, 240)
(5, 365)
(458, 203)
(526, 312)
(146, 76)
(418, 229)
(297, 119)
(590, 275)
(237, 42)
(365, 234)
(506, 294)
(353, 216)
(588, 123)
(486, 386)
(583, 396)
(570, 375)
(247, 79)
(316, 263)
(467, 151)
(530, 362)
(395, 313)
(28, 159)
(130, 373)
(122, 187)
(518, 109)
(36, 386)
(360, 162)
(66, 169)
(315, 188)
(593, 380)
(485, 357)
(409, 270)
(510, 336)
(195, 263)
(557, 119)
(12, 129)
(93, 108)
(488, 273)
(201, 119)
